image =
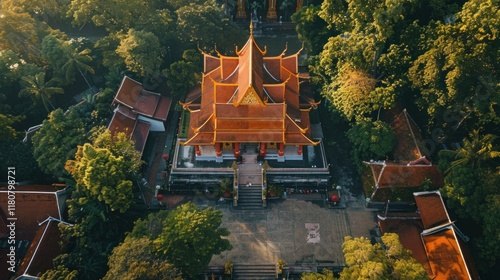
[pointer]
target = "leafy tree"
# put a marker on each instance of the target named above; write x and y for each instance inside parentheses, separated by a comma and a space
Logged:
(190, 237)
(102, 113)
(107, 45)
(478, 150)
(120, 146)
(59, 272)
(102, 169)
(53, 52)
(311, 29)
(20, 33)
(324, 275)
(371, 140)
(100, 215)
(7, 132)
(44, 9)
(142, 52)
(457, 73)
(348, 67)
(114, 15)
(471, 181)
(134, 259)
(206, 24)
(57, 141)
(184, 74)
(389, 261)
(41, 91)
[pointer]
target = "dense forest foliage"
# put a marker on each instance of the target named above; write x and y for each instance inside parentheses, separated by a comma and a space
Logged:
(440, 59)
(57, 53)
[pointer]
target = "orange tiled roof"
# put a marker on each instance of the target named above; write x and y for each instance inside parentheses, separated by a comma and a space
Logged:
(442, 245)
(42, 251)
(150, 104)
(124, 120)
(249, 98)
(34, 203)
(390, 174)
(410, 145)
(432, 237)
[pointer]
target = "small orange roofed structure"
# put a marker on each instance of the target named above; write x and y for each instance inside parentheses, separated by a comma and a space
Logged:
(250, 99)
(138, 111)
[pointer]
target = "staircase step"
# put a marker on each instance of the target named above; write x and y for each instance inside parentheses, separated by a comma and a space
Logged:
(254, 271)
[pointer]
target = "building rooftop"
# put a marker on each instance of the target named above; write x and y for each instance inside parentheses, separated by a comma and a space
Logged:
(410, 145)
(432, 237)
(250, 98)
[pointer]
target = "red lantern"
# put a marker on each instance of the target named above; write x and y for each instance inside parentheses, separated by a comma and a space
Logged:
(165, 156)
(334, 198)
(159, 197)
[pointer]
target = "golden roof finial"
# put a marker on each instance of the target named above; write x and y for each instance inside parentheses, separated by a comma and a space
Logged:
(251, 28)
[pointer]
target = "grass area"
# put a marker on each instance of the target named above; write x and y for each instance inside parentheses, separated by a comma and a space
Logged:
(184, 127)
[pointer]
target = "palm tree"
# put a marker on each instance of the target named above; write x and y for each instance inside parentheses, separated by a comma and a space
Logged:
(475, 151)
(78, 61)
(39, 90)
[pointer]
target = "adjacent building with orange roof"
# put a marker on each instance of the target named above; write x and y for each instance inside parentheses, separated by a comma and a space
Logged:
(410, 169)
(38, 211)
(432, 237)
(138, 112)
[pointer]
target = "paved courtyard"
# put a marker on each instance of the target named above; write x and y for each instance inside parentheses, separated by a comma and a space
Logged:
(295, 230)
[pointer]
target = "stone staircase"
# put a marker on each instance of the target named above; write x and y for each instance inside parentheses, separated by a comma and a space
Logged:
(254, 271)
(249, 197)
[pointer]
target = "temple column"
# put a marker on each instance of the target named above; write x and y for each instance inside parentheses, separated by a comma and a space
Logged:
(299, 5)
(218, 150)
(197, 150)
(240, 10)
(299, 150)
(281, 151)
(271, 12)
(236, 150)
(262, 151)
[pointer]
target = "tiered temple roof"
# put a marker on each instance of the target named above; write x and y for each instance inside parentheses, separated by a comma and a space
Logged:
(250, 98)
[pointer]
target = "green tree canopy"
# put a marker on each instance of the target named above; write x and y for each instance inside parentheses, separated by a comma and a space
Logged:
(190, 237)
(142, 52)
(389, 261)
(371, 140)
(184, 240)
(457, 73)
(184, 74)
(114, 15)
(206, 24)
(104, 167)
(324, 275)
(134, 259)
(471, 188)
(20, 33)
(311, 29)
(57, 140)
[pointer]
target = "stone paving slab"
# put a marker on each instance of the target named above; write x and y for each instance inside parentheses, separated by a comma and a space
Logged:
(279, 232)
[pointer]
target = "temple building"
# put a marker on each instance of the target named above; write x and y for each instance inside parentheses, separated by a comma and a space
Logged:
(250, 100)
(252, 119)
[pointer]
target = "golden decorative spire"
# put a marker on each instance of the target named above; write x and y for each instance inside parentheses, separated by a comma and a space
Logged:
(251, 28)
